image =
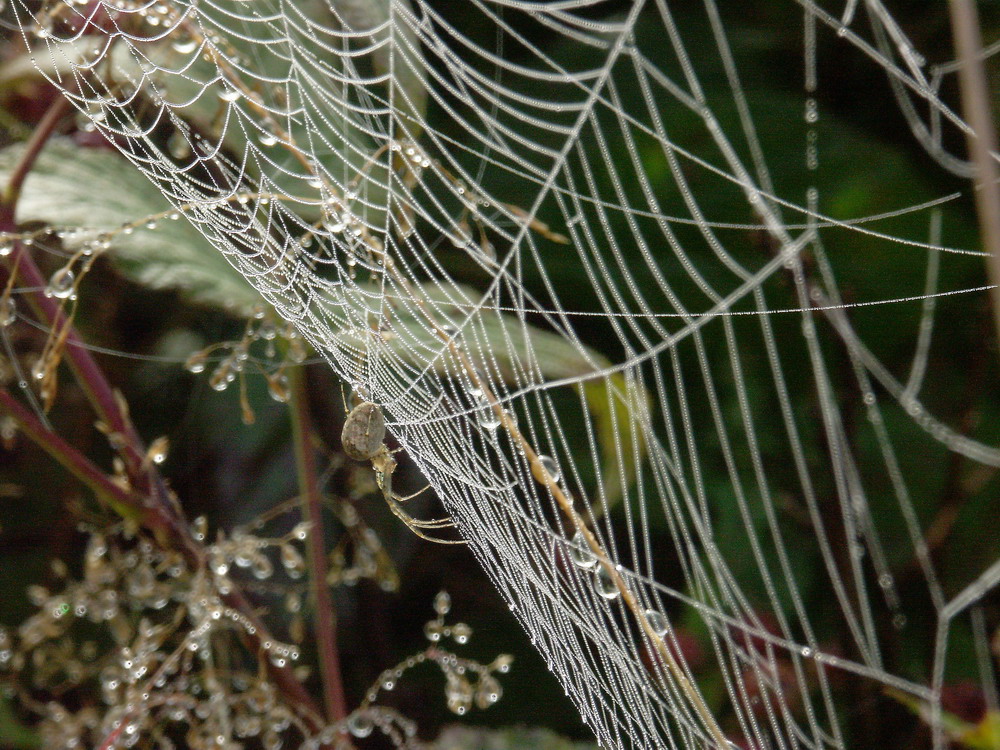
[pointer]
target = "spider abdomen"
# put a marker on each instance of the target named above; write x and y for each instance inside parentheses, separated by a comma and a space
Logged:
(364, 432)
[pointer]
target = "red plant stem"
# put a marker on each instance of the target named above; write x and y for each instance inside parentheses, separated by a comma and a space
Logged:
(112, 738)
(983, 139)
(69, 457)
(157, 511)
(324, 622)
(85, 369)
(39, 137)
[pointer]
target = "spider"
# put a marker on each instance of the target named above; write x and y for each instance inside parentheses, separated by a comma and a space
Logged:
(363, 439)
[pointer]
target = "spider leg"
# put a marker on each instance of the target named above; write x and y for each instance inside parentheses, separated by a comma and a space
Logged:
(415, 526)
(434, 523)
(410, 497)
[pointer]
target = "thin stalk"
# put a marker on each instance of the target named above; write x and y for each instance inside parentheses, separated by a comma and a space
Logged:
(157, 509)
(982, 140)
(85, 369)
(69, 457)
(39, 137)
(324, 622)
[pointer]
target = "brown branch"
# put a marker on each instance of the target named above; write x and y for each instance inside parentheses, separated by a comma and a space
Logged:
(39, 137)
(158, 511)
(69, 457)
(324, 621)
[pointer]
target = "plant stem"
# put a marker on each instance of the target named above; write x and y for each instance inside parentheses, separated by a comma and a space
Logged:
(86, 371)
(324, 622)
(69, 457)
(39, 137)
(982, 140)
(158, 511)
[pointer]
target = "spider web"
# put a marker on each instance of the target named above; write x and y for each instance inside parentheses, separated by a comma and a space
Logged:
(419, 196)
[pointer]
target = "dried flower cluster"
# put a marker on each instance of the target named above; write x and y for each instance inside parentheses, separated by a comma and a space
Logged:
(142, 651)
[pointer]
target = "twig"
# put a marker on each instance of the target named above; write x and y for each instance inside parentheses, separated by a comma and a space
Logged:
(324, 623)
(88, 374)
(158, 513)
(983, 138)
(39, 137)
(70, 458)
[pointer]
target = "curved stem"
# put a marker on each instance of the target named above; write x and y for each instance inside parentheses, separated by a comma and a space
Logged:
(157, 508)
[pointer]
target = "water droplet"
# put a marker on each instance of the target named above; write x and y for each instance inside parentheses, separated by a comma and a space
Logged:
(488, 692)
(360, 725)
(580, 552)
(604, 584)
(657, 622)
(8, 311)
(195, 363)
(442, 603)
(200, 528)
(228, 94)
(812, 111)
(267, 139)
(487, 418)
(433, 631)
(61, 283)
(184, 46)
(84, 123)
(461, 633)
(549, 464)
(277, 386)
(292, 561)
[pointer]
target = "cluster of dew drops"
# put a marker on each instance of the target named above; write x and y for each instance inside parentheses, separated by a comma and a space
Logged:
(131, 648)
(467, 682)
(604, 583)
(230, 360)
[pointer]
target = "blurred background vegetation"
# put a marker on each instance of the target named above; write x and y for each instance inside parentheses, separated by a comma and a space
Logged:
(232, 472)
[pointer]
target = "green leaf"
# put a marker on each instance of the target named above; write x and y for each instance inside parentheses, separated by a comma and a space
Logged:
(615, 410)
(985, 735)
(982, 736)
(99, 191)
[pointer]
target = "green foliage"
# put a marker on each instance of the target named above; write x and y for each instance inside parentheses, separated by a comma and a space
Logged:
(101, 193)
(14, 734)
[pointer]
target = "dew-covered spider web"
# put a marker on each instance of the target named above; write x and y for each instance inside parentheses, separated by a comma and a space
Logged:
(649, 343)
